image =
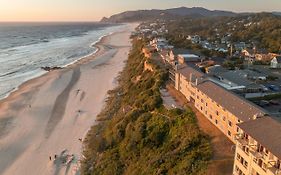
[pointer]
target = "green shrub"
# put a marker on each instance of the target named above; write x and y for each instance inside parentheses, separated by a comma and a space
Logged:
(138, 135)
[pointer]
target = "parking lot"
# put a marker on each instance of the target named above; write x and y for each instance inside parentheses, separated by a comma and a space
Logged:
(272, 106)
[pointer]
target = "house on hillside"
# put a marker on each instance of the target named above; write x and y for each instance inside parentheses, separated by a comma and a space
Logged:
(240, 46)
(195, 39)
(148, 50)
(276, 62)
(262, 55)
(248, 53)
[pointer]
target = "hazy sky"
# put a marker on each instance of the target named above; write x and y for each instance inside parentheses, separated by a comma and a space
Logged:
(93, 10)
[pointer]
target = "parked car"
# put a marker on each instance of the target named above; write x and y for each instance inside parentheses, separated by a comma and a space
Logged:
(273, 87)
(264, 103)
(274, 102)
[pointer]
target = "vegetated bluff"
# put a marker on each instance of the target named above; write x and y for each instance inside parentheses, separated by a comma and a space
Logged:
(136, 135)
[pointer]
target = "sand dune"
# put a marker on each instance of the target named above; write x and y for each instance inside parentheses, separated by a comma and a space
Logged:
(48, 115)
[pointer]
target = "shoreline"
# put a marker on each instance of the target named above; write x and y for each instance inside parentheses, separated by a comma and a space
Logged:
(50, 113)
(97, 45)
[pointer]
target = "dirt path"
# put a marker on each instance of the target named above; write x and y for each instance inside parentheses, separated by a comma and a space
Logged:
(223, 148)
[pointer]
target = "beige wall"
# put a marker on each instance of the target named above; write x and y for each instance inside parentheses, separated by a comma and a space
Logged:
(245, 161)
(215, 113)
(250, 162)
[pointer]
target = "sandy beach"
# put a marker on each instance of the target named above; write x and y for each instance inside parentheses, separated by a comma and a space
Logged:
(49, 115)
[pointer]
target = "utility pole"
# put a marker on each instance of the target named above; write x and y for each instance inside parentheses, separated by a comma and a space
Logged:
(231, 50)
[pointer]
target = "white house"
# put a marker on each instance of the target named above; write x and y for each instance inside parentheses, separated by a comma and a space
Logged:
(276, 62)
(182, 58)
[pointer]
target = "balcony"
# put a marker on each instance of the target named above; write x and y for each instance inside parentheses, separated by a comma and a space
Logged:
(272, 168)
(274, 171)
(242, 141)
(258, 155)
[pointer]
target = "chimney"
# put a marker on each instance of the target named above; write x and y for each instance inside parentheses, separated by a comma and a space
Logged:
(257, 116)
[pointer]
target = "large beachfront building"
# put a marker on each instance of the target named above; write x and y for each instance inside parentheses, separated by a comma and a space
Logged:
(220, 106)
(257, 136)
(258, 148)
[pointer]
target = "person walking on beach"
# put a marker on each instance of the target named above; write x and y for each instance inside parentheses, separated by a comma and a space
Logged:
(79, 112)
(77, 91)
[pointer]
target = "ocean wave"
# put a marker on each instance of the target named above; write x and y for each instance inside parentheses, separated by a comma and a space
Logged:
(9, 73)
(24, 62)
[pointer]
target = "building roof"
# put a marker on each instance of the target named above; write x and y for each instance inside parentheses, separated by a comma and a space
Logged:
(216, 69)
(251, 73)
(189, 55)
(265, 131)
(241, 108)
(262, 51)
(238, 77)
(241, 78)
(179, 51)
(187, 70)
(250, 51)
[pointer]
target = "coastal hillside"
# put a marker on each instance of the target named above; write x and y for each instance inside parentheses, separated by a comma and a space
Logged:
(261, 30)
(174, 13)
(137, 135)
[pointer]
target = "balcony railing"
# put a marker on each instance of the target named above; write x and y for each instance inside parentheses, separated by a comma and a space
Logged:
(257, 154)
(272, 168)
(242, 140)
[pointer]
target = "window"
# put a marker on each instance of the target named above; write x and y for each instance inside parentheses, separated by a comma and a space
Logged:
(255, 160)
(245, 149)
(216, 121)
(237, 129)
(223, 118)
(211, 117)
(206, 104)
(236, 167)
(266, 152)
(245, 164)
(238, 156)
(229, 133)
(229, 123)
(217, 112)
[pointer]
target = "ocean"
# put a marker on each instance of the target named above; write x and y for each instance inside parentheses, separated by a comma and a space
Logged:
(26, 47)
